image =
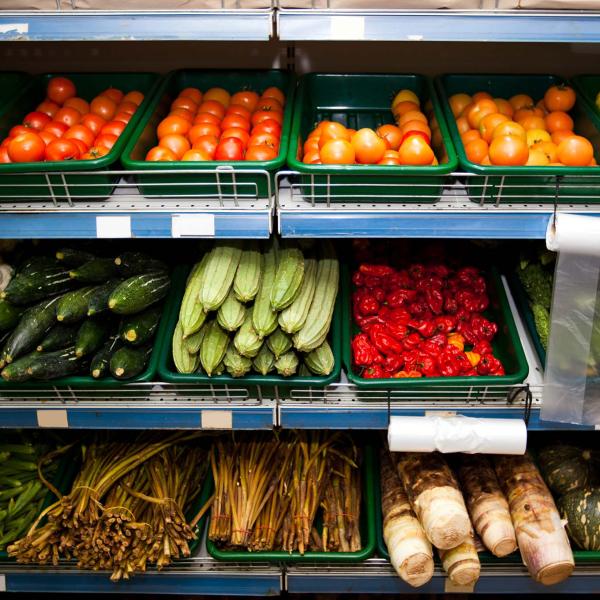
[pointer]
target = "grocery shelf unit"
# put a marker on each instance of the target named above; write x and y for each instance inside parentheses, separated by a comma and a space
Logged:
(165, 406)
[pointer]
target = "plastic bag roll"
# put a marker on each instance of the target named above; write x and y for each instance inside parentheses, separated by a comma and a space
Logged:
(574, 234)
(457, 434)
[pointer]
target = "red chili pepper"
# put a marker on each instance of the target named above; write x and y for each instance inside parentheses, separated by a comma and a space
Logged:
(392, 364)
(471, 373)
(467, 274)
(450, 305)
(399, 280)
(416, 271)
(490, 365)
(435, 300)
(417, 309)
(365, 303)
(429, 282)
(396, 315)
(364, 354)
(397, 330)
(431, 348)
(374, 372)
(364, 322)
(465, 329)
(379, 294)
(383, 341)
(479, 285)
(468, 300)
(400, 297)
(483, 347)
(358, 279)
(425, 328)
(376, 270)
(445, 324)
(448, 368)
(482, 328)
(411, 341)
(372, 282)
(441, 271)
(427, 365)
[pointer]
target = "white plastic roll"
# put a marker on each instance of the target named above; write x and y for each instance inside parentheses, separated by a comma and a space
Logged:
(457, 434)
(574, 234)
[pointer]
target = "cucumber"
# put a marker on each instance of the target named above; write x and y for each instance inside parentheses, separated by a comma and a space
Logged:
(36, 264)
(31, 329)
(138, 263)
(18, 370)
(91, 335)
(140, 328)
(101, 360)
(98, 300)
(9, 315)
(60, 336)
(127, 362)
(73, 306)
(33, 287)
(97, 270)
(139, 292)
(50, 365)
(71, 257)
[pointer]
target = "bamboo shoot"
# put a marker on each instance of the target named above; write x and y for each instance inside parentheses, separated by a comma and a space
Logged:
(542, 538)
(462, 563)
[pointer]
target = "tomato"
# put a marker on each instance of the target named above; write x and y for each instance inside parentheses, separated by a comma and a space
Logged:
(558, 120)
(178, 144)
(263, 115)
(114, 127)
(369, 148)
(521, 101)
(47, 136)
(62, 150)
(184, 113)
(550, 149)
(213, 107)
(508, 150)
(391, 134)
(523, 113)
(405, 96)
(230, 149)
(462, 125)
(114, 94)
(123, 117)
(137, 97)
(173, 124)
(476, 150)
(274, 92)
(83, 147)
(205, 117)
(535, 136)
(267, 139)
(537, 158)
(191, 92)
(104, 106)
(18, 130)
(421, 134)
(106, 139)
(56, 128)
(504, 107)
(68, 116)
(27, 147)
(533, 122)
(207, 143)
(559, 97)
(237, 132)
(94, 153)
(403, 107)
(414, 150)
(312, 158)
(310, 145)
(261, 153)
(489, 123)
(412, 115)
(477, 96)
(48, 107)
(510, 128)
(80, 132)
(126, 107)
(235, 121)
(268, 126)
(60, 89)
(338, 152)
(269, 104)
(196, 156)
(479, 110)
(204, 129)
(560, 135)
(238, 109)
(389, 161)
(331, 130)
(78, 104)
(542, 106)
(246, 98)
(4, 157)
(186, 103)
(458, 103)
(219, 95)
(93, 122)
(160, 154)
(36, 120)
(470, 136)
(574, 151)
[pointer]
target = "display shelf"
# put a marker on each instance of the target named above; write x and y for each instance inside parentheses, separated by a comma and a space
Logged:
(440, 25)
(305, 209)
(71, 25)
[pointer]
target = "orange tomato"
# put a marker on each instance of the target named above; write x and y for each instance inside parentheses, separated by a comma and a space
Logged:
(194, 155)
(537, 158)
(191, 92)
(331, 130)
(238, 109)
(477, 150)
(489, 123)
(48, 107)
(203, 129)
(540, 104)
(136, 97)
(470, 136)
(235, 121)
(93, 122)
(269, 104)
(535, 136)
(560, 135)
(213, 107)
(160, 154)
(524, 113)
(274, 92)
(369, 148)
(206, 143)
(219, 95)
(575, 151)
(114, 94)
(415, 126)
(414, 150)
(123, 117)
(458, 103)
(80, 132)
(176, 143)
(114, 127)
(78, 104)
(104, 107)
(508, 151)
(68, 116)
(550, 149)
(171, 125)
(391, 134)
(466, 109)
(559, 97)
(533, 122)
(462, 125)
(337, 152)
(186, 103)
(403, 107)
(237, 132)
(479, 110)
(557, 120)
(504, 107)
(411, 115)
(205, 117)
(265, 115)
(312, 158)
(477, 96)
(127, 107)
(510, 128)
(188, 115)
(405, 95)
(521, 101)
(246, 98)
(311, 145)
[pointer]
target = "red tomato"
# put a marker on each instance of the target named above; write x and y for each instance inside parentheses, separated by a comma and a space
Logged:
(105, 139)
(235, 121)
(230, 149)
(204, 129)
(4, 157)
(172, 125)
(123, 117)
(104, 107)
(5, 142)
(78, 104)
(268, 126)
(188, 115)
(93, 122)
(261, 153)
(56, 128)
(68, 116)
(263, 115)
(60, 89)
(178, 144)
(26, 147)
(236, 132)
(62, 150)
(48, 107)
(80, 132)
(205, 117)
(136, 97)
(114, 94)
(213, 107)
(238, 109)
(191, 92)
(18, 130)
(159, 154)
(208, 144)
(83, 147)
(36, 120)
(246, 98)
(186, 103)
(196, 156)
(94, 153)
(415, 132)
(47, 136)
(266, 139)
(269, 104)
(127, 107)
(114, 127)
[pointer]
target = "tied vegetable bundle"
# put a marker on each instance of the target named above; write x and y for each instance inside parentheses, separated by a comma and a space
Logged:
(126, 509)
(263, 309)
(75, 313)
(295, 493)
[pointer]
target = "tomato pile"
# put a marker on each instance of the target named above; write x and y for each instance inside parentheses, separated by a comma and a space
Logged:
(425, 320)
(219, 126)
(66, 127)
(408, 142)
(519, 131)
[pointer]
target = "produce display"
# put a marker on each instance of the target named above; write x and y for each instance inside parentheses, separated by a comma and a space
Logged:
(248, 307)
(67, 127)
(76, 313)
(411, 141)
(217, 125)
(521, 130)
(127, 507)
(420, 319)
(294, 492)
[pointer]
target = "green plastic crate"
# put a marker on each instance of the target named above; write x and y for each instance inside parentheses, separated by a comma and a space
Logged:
(506, 344)
(201, 499)
(515, 184)
(233, 180)
(266, 383)
(367, 532)
(358, 101)
(12, 84)
(587, 88)
(20, 181)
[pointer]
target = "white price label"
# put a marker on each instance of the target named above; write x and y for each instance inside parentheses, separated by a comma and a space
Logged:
(2, 583)
(347, 28)
(113, 227)
(193, 225)
(216, 419)
(53, 418)
(453, 588)
(440, 413)
(14, 28)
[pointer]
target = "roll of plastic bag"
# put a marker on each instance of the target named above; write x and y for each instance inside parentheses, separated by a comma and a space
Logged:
(572, 373)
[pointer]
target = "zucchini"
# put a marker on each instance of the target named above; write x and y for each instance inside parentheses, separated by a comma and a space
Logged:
(73, 306)
(18, 370)
(191, 313)
(26, 289)
(137, 293)
(98, 300)
(289, 276)
(97, 270)
(264, 318)
(101, 360)
(249, 273)
(140, 328)
(138, 263)
(127, 362)
(91, 335)
(50, 365)
(59, 337)
(214, 347)
(219, 272)
(71, 257)
(292, 318)
(37, 264)
(9, 315)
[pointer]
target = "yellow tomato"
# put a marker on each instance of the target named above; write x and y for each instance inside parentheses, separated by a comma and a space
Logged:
(535, 136)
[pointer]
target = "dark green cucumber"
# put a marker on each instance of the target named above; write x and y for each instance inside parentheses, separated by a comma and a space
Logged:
(18, 370)
(97, 270)
(138, 263)
(98, 301)
(101, 360)
(139, 292)
(140, 328)
(31, 329)
(50, 365)
(73, 306)
(127, 362)
(71, 257)
(36, 264)
(27, 289)
(59, 337)
(91, 335)
(9, 315)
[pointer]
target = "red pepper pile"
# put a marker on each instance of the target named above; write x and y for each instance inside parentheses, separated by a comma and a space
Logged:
(423, 321)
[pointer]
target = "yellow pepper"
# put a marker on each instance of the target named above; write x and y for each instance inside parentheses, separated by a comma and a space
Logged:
(473, 357)
(403, 374)
(456, 339)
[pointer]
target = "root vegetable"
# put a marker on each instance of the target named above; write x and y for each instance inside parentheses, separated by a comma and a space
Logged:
(462, 563)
